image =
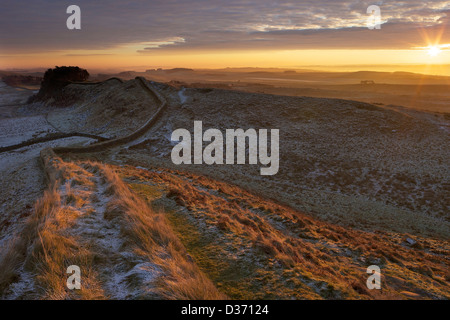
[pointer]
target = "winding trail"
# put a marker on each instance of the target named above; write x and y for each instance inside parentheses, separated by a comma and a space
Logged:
(103, 142)
(123, 140)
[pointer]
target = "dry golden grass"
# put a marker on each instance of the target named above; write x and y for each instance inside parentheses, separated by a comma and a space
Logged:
(45, 251)
(151, 232)
(56, 250)
(318, 253)
(208, 240)
(48, 246)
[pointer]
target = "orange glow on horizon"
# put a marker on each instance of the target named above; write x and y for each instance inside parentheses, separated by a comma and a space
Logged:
(128, 59)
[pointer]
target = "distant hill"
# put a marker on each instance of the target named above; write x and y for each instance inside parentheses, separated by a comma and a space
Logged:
(17, 80)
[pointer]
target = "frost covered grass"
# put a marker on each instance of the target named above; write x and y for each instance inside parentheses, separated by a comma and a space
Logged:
(88, 217)
(154, 236)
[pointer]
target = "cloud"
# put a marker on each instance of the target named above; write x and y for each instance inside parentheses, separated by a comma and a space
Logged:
(168, 25)
(88, 54)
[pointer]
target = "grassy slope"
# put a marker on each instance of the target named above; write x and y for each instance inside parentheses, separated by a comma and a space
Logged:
(197, 238)
(253, 248)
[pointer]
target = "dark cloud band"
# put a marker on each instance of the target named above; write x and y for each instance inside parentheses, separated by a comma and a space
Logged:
(40, 25)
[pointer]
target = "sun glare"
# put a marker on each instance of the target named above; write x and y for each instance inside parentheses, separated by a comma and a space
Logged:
(433, 51)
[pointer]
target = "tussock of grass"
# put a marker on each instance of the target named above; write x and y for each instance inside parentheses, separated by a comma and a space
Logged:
(45, 251)
(151, 232)
(10, 259)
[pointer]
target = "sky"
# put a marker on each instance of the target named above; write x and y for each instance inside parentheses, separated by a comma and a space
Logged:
(145, 34)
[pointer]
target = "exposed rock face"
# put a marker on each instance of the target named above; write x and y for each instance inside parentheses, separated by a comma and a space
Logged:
(55, 80)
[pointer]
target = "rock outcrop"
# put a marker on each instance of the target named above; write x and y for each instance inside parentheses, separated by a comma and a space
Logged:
(55, 80)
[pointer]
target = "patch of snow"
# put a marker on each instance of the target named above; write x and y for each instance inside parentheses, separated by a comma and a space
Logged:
(181, 95)
(142, 168)
(23, 287)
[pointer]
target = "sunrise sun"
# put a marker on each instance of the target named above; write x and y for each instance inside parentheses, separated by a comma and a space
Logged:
(433, 51)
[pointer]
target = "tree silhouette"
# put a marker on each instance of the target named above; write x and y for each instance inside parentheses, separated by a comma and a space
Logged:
(56, 79)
